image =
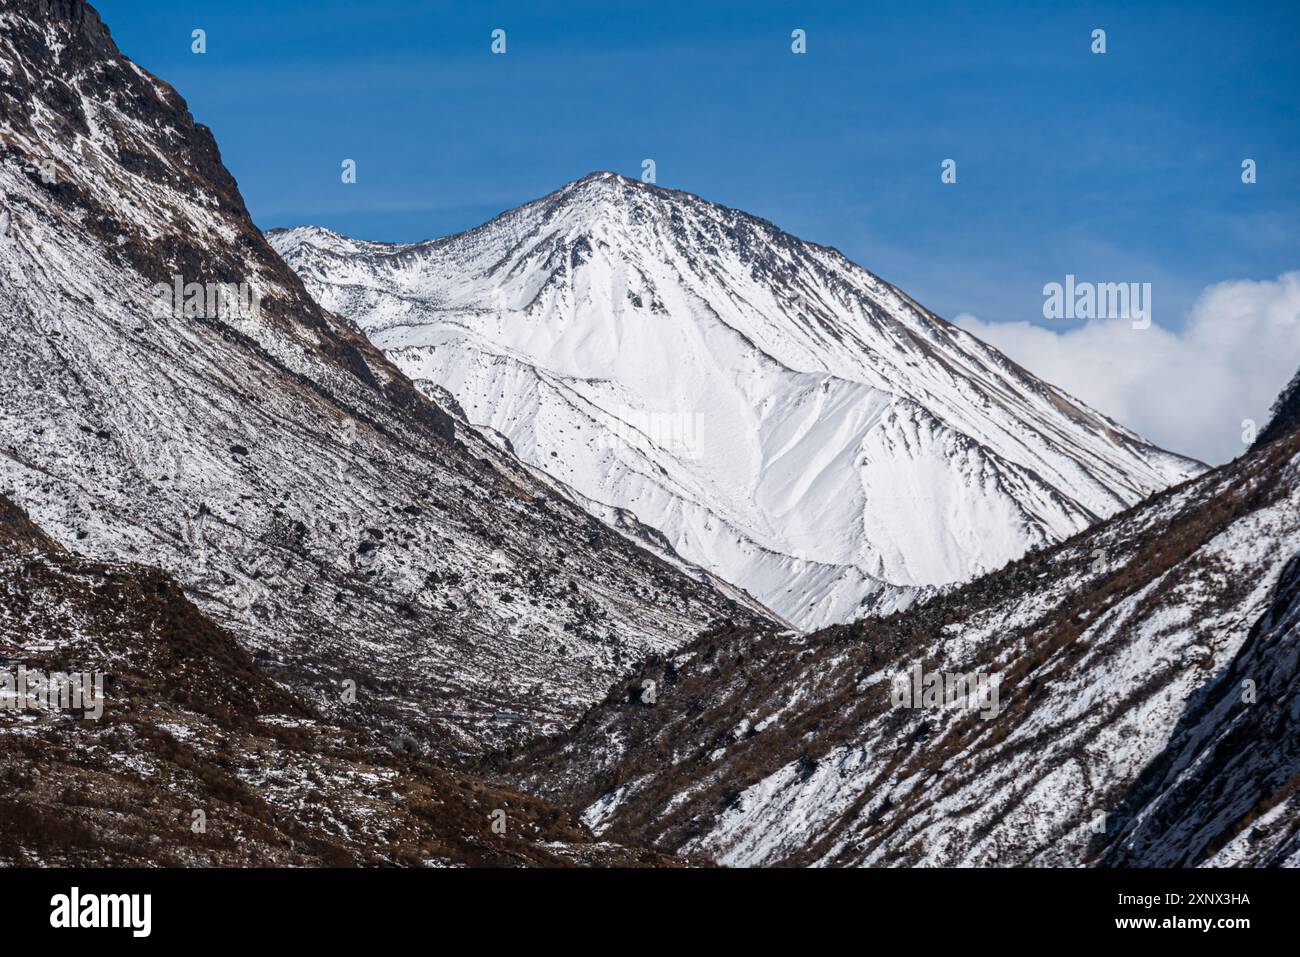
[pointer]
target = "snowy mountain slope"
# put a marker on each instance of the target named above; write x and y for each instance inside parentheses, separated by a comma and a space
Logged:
(785, 418)
(188, 722)
(1120, 733)
(306, 495)
(1226, 790)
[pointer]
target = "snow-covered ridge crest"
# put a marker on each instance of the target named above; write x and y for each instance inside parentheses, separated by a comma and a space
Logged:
(817, 438)
(173, 396)
(1145, 712)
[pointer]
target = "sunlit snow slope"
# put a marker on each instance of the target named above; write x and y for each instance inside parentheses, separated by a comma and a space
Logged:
(310, 501)
(785, 418)
(1147, 712)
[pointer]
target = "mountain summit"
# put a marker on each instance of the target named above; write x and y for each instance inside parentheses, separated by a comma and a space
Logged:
(347, 531)
(785, 418)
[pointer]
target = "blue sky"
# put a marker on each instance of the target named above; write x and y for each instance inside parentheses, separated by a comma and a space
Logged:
(1116, 167)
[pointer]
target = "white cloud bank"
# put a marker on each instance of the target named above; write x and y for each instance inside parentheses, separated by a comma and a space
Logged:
(1186, 391)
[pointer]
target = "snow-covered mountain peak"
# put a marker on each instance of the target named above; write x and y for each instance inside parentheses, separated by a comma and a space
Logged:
(297, 485)
(784, 417)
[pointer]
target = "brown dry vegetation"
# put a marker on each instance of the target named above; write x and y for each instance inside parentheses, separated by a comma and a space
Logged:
(191, 723)
(731, 675)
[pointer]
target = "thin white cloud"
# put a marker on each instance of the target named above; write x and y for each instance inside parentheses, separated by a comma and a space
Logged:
(1188, 391)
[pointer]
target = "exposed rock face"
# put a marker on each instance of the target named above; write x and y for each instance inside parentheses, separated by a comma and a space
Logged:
(197, 758)
(315, 595)
(1122, 732)
(1225, 790)
(172, 395)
